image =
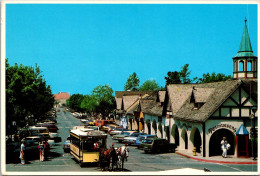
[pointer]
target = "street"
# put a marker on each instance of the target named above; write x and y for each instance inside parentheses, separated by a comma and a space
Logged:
(138, 161)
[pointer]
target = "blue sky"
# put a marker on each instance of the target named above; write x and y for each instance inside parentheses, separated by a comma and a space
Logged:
(79, 47)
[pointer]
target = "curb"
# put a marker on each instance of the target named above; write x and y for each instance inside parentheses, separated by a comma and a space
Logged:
(215, 161)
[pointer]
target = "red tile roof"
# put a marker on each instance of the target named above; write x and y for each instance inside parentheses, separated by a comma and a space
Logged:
(61, 95)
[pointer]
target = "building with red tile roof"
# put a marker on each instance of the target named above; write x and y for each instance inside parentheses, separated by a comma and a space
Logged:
(61, 97)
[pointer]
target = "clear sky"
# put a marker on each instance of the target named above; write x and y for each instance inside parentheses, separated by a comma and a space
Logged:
(79, 47)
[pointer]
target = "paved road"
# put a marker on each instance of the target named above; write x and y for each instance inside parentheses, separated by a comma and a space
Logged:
(138, 161)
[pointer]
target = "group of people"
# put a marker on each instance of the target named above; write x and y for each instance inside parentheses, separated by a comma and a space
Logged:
(43, 148)
(109, 158)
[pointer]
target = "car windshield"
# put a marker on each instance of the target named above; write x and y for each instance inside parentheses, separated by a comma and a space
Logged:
(141, 138)
(134, 135)
(148, 141)
(125, 133)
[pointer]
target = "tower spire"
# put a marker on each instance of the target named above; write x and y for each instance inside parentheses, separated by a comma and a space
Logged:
(245, 48)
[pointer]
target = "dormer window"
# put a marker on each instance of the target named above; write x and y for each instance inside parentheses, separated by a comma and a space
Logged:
(196, 105)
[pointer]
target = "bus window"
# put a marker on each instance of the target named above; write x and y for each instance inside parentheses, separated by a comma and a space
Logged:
(75, 141)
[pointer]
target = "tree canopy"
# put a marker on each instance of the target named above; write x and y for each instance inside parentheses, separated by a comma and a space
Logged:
(27, 94)
(132, 82)
(213, 77)
(150, 85)
(75, 102)
(172, 78)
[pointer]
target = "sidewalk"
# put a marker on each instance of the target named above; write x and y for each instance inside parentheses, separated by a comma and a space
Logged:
(217, 159)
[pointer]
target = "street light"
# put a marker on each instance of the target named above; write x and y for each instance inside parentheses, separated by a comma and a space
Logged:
(254, 109)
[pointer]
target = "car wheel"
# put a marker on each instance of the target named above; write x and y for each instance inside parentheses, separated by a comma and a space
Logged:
(146, 151)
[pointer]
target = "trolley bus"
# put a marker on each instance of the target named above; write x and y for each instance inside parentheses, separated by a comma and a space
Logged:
(85, 144)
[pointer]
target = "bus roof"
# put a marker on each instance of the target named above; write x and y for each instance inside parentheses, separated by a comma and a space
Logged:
(87, 132)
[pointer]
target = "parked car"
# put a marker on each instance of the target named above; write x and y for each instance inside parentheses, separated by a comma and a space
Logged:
(158, 145)
(66, 145)
(118, 131)
(37, 139)
(51, 127)
(141, 138)
(131, 140)
(116, 128)
(120, 137)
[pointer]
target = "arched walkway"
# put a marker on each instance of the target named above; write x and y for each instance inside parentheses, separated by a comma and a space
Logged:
(184, 137)
(148, 124)
(196, 139)
(154, 125)
(217, 136)
(175, 134)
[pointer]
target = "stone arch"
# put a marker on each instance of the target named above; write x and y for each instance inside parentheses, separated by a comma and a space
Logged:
(241, 65)
(148, 124)
(154, 125)
(175, 134)
(215, 139)
(195, 138)
(184, 137)
(160, 129)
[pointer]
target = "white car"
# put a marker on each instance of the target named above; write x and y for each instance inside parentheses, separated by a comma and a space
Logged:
(131, 140)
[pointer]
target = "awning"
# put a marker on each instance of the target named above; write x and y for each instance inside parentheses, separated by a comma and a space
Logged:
(242, 130)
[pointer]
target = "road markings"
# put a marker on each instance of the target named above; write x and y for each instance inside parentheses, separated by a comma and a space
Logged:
(230, 167)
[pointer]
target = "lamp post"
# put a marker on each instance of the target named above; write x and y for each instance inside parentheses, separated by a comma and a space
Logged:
(254, 109)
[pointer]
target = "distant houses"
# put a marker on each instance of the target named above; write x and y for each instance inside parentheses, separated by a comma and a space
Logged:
(61, 98)
(198, 116)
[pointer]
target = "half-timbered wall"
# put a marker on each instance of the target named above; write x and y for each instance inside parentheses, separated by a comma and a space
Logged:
(237, 106)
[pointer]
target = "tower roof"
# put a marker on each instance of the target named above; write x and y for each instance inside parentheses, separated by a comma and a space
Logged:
(245, 48)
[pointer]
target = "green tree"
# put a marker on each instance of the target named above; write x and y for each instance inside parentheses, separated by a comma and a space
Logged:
(173, 78)
(74, 102)
(105, 98)
(213, 77)
(150, 85)
(27, 94)
(185, 74)
(132, 82)
(89, 103)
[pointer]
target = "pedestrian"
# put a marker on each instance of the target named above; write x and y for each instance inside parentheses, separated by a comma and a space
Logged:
(224, 146)
(41, 150)
(22, 152)
(46, 150)
(114, 156)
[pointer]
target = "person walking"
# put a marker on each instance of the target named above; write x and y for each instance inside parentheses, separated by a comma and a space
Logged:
(114, 156)
(46, 150)
(22, 152)
(41, 150)
(224, 146)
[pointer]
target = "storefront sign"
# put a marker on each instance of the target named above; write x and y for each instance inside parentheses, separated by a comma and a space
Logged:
(211, 130)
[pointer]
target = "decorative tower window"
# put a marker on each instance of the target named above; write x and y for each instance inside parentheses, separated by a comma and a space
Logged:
(249, 66)
(241, 66)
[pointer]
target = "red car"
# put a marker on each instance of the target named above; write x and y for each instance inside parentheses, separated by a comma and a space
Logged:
(51, 127)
